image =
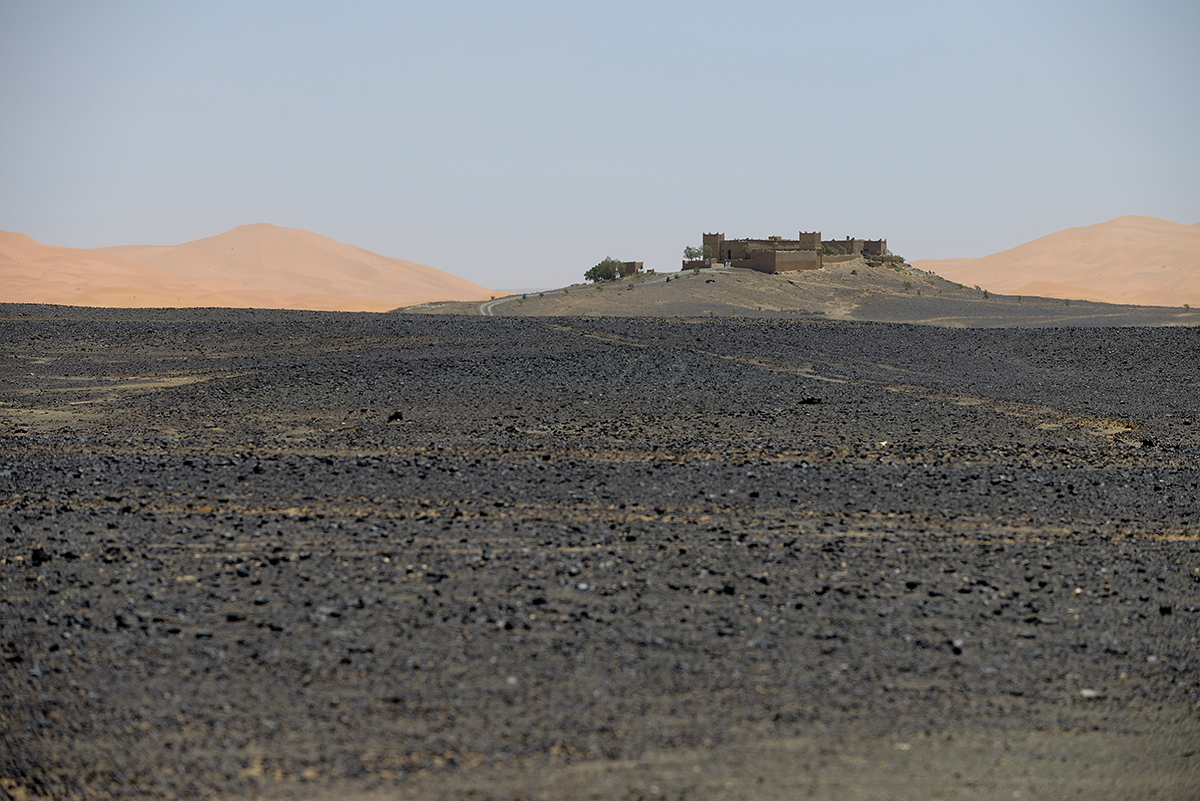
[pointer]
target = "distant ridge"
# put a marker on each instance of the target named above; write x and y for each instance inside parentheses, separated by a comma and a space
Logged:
(260, 266)
(1133, 260)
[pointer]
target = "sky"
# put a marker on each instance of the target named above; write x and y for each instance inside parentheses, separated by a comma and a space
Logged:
(516, 144)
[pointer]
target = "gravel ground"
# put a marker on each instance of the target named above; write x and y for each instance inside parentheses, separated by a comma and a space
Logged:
(299, 554)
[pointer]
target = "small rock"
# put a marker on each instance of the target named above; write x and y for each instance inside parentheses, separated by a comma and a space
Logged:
(1089, 693)
(396, 417)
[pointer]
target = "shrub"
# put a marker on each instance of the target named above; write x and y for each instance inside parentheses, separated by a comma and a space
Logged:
(908, 286)
(606, 270)
(747, 251)
(985, 294)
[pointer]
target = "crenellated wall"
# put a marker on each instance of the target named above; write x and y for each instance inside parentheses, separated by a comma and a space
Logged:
(776, 254)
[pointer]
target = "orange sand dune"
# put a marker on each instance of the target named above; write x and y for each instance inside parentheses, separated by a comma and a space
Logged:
(1133, 260)
(261, 266)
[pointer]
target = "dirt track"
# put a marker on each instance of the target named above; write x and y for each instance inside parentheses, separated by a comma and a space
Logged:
(594, 558)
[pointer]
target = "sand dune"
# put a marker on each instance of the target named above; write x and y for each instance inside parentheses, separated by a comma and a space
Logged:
(1133, 260)
(260, 266)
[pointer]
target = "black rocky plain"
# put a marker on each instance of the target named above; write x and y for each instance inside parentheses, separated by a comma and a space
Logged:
(242, 548)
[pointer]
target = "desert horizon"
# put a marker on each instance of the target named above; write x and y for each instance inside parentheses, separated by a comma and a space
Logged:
(579, 401)
(1130, 260)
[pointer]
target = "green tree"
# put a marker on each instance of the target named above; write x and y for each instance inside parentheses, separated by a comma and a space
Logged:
(692, 253)
(606, 270)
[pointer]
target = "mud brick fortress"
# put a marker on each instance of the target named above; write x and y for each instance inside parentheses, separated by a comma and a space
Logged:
(778, 255)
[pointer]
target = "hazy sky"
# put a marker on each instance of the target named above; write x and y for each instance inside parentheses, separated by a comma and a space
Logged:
(517, 143)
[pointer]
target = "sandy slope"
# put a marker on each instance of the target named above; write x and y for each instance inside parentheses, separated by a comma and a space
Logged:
(1139, 260)
(262, 266)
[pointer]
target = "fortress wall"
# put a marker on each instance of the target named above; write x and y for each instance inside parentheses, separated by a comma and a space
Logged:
(782, 261)
(768, 244)
(852, 245)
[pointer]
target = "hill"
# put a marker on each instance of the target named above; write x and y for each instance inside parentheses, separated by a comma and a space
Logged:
(261, 266)
(1130, 260)
(855, 290)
